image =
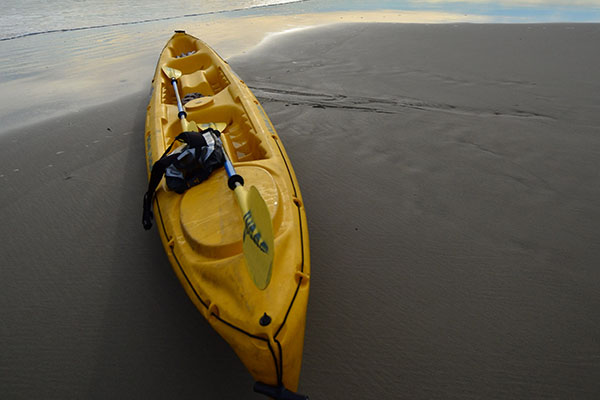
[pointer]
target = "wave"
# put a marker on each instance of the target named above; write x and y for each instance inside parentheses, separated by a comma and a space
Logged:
(145, 21)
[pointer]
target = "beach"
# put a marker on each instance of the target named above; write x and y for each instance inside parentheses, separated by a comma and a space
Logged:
(450, 178)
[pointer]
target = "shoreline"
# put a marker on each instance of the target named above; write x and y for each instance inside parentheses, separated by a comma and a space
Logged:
(401, 16)
(65, 77)
(51, 93)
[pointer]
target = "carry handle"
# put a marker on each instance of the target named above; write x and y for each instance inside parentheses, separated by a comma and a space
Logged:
(277, 392)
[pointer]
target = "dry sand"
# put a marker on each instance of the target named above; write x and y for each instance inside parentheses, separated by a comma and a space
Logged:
(450, 175)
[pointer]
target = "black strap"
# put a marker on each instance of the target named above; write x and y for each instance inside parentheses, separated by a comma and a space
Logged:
(194, 140)
(158, 170)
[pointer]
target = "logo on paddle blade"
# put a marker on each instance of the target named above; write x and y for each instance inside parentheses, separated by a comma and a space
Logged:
(252, 231)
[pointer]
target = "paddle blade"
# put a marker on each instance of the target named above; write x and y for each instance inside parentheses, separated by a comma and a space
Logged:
(258, 241)
(191, 126)
(218, 126)
(172, 73)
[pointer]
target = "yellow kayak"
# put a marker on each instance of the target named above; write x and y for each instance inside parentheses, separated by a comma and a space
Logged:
(204, 229)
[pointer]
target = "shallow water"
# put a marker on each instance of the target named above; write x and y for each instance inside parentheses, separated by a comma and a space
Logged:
(29, 17)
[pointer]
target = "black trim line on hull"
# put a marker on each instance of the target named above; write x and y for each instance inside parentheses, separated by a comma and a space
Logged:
(278, 365)
(301, 239)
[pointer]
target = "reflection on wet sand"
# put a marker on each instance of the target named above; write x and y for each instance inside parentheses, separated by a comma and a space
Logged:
(67, 71)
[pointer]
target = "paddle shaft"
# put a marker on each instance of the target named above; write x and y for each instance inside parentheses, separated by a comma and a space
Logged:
(182, 114)
(235, 180)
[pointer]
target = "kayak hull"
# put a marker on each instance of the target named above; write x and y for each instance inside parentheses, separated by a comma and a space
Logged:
(202, 229)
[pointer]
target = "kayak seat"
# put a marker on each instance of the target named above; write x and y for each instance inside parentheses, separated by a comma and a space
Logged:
(182, 46)
(214, 229)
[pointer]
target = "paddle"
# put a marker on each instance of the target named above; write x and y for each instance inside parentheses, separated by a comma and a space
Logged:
(258, 241)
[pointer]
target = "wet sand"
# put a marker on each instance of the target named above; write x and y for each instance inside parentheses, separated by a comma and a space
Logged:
(65, 72)
(450, 176)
